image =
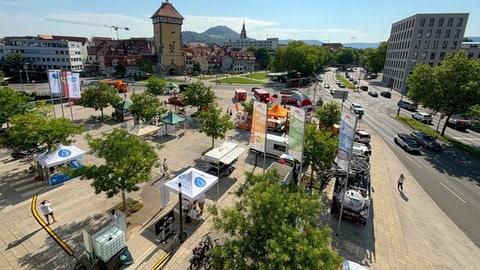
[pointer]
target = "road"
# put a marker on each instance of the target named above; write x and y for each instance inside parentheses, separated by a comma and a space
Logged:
(451, 178)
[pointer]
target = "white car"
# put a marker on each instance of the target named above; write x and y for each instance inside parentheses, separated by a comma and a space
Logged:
(356, 108)
(423, 117)
(326, 86)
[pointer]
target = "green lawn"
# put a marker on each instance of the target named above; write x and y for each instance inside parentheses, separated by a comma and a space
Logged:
(347, 83)
(240, 80)
(257, 76)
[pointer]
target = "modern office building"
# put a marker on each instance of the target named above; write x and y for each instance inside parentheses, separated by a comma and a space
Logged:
(421, 38)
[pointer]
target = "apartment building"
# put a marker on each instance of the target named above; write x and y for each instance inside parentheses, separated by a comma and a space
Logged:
(421, 38)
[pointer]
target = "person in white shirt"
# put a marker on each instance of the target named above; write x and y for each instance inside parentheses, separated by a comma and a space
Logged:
(46, 208)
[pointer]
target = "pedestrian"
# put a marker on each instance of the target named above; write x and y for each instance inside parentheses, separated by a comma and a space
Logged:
(230, 113)
(165, 103)
(401, 179)
(165, 167)
(112, 217)
(201, 202)
(46, 208)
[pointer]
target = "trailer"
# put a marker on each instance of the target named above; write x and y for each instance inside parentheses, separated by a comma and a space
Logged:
(240, 94)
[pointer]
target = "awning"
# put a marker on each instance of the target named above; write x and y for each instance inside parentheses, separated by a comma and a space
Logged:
(62, 155)
(226, 153)
(142, 130)
(232, 155)
(194, 182)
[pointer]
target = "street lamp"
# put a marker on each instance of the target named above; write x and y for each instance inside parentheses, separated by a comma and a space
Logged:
(21, 80)
(25, 67)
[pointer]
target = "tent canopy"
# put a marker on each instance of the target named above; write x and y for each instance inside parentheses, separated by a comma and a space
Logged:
(171, 85)
(173, 119)
(278, 111)
(142, 130)
(302, 100)
(60, 156)
(123, 105)
(226, 153)
(194, 182)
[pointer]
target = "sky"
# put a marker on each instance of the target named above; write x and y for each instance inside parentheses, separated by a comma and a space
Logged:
(327, 21)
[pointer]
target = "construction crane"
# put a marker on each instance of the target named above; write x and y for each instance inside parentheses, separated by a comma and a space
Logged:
(114, 27)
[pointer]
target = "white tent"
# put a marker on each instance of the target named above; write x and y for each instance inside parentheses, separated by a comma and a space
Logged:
(194, 182)
(142, 130)
(62, 155)
(226, 153)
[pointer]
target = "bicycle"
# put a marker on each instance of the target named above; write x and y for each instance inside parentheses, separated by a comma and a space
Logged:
(200, 256)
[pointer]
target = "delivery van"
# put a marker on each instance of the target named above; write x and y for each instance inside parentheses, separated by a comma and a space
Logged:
(240, 94)
(261, 94)
(120, 85)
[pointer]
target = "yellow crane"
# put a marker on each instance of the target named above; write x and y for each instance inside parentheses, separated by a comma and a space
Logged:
(114, 27)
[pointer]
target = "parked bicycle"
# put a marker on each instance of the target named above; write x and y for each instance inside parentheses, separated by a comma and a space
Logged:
(200, 257)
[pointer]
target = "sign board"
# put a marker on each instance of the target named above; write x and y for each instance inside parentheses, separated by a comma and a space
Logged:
(340, 94)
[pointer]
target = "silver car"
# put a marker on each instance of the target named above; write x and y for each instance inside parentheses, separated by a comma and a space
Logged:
(407, 143)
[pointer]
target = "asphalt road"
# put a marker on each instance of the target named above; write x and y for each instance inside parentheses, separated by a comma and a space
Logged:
(451, 178)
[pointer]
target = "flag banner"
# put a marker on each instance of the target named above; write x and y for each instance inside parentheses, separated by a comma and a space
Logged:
(348, 124)
(64, 83)
(73, 81)
(54, 81)
(259, 126)
(296, 133)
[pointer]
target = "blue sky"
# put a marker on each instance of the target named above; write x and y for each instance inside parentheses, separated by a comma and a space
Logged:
(327, 21)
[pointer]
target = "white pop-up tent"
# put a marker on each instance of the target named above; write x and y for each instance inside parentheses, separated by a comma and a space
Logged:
(194, 182)
(62, 155)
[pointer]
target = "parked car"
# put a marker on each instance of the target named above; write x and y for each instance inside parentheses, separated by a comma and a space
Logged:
(225, 170)
(407, 143)
(425, 140)
(458, 122)
(362, 136)
(386, 94)
(361, 149)
(409, 105)
(326, 86)
(341, 85)
(423, 117)
(356, 108)
(287, 91)
(373, 93)
(364, 87)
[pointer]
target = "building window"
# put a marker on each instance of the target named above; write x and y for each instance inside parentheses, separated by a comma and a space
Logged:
(442, 56)
(454, 45)
(415, 55)
(422, 22)
(426, 44)
(435, 44)
(459, 22)
(419, 33)
(438, 33)
(470, 55)
(432, 56)
(429, 33)
(456, 33)
(450, 22)
(431, 22)
(440, 22)
(447, 33)
(417, 45)
(424, 55)
(445, 44)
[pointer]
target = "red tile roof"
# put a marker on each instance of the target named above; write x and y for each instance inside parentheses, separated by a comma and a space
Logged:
(167, 10)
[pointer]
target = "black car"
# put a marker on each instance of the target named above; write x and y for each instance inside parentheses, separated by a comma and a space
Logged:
(364, 87)
(425, 140)
(458, 122)
(386, 94)
(373, 93)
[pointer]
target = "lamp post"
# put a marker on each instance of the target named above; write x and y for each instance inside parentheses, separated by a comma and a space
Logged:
(181, 211)
(25, 67)
(21, 80)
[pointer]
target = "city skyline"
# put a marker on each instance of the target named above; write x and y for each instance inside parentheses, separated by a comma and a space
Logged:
(348, 22)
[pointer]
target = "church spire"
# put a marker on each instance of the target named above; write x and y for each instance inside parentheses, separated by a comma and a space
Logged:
(243, 33)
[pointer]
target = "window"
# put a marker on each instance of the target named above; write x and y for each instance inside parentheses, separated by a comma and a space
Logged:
(454, 45)
(447, 33)
(422, 22)
(459, 22)
(417, 45)
(450, 22)
(414, 55)
(442, 55)
(429, 33)
(419, 33)
(431, 22)
(432, 56)
(438, 33)
(470, 55)
(435, 44)
(440, 22)
(424, 55)
(426, 44)
(456, 33)
(445, 44)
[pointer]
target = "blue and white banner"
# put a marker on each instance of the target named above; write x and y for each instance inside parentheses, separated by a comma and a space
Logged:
(54, 81)
(73, 81)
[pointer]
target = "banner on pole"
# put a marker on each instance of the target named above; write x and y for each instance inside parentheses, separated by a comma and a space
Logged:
(346, 138)
(259, 126)
(54, 81)
(296, 133)
(64, 83)
(73, 81)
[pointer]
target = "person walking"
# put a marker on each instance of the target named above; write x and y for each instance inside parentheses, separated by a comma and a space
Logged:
(165, 167)
(46, 208)
(201, 202)
(400, 181)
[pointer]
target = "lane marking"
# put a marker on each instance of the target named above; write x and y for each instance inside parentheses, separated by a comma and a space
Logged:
(460, 198)
(414, 162)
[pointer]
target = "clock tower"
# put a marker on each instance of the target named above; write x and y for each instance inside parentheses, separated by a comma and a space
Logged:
(167, 34)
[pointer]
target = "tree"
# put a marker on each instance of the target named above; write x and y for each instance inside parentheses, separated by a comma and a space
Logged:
(197, 69)
(248, 106)
(145, 66)
(328, 115)
(375, 58)
(320, 149)
(273, 226)
(299, 57)
(12, 103)
(120, 70)
(14, 62)
(213, 124)
(451, 88)
(262, 57)
(146, 106)
(128, 162)
(99, 97)
(155, 86)
(33, 129)
(199, 95)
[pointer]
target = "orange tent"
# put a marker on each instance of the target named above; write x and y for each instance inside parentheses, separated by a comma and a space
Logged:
(278, 111)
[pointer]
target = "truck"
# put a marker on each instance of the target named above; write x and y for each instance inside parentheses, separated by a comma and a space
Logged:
(275, 145)
(120, 85)
(353, 192)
